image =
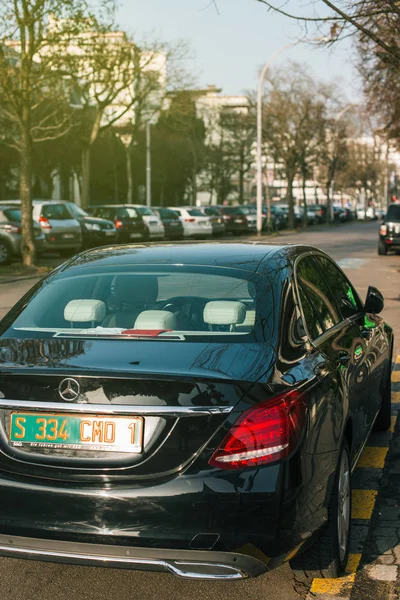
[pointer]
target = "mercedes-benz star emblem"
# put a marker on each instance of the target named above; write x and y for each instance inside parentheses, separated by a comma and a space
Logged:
(69, 389)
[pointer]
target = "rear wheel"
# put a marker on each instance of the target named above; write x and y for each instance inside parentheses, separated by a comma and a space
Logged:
(382, 249)
(5, 253)
(327, 557)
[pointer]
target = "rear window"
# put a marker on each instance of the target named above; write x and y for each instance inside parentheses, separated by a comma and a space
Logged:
(13, 214)
(77, 211)
(56, 212)
(209, 210)
(393, 214)
(184, 303)
(195, 212)
(127, 213)
(167, 214)
(143, 210)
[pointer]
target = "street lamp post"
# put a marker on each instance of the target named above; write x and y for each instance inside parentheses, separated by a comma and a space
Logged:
(148, 163)
(259, 133)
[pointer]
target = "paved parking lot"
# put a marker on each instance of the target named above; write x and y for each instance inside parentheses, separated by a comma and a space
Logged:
(376, 507)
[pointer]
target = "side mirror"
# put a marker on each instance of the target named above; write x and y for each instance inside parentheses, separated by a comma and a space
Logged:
(374, 302)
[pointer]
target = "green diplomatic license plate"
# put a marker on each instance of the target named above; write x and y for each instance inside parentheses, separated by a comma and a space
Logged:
(76, 432)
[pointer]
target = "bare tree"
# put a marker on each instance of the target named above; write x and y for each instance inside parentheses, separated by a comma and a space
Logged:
(33, 83)
(345, 17)
(294, 124)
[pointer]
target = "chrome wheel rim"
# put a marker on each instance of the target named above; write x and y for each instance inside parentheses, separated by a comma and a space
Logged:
(343, 505)
(3, 253)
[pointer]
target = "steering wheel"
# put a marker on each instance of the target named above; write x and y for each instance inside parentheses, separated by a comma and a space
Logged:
(196, 307)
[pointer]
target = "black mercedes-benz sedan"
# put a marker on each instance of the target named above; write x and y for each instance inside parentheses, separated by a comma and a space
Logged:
(196, 409)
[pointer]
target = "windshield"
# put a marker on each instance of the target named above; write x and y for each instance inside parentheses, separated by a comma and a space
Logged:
(56, 212)
(167, 214)
(393, 214)
(184, 302)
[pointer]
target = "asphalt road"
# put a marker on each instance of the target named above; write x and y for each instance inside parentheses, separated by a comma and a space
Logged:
(354, 246)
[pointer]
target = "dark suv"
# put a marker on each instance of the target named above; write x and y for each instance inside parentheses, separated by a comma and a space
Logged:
(389, 233)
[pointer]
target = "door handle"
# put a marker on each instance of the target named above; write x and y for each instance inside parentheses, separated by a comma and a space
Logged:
(344, 359)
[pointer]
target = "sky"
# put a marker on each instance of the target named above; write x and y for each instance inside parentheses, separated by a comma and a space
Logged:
(229, 48)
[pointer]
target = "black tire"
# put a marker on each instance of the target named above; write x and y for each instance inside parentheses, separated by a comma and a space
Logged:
(5, 253)
(382, 249)
(325, 558)
(384, 418)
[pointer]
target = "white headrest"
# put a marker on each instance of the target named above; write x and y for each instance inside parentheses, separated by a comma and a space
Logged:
(82, 311)
(156, 319)
(226, 312)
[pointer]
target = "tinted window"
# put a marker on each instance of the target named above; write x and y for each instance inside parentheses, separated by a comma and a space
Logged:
(56, 212)
(346, 297)
(209, 303)
(195, 212)
(209, 210)
(393, 214)
(144, 210)
(167, 214)
(13, 214)
(314, 287)
(313, 325)
(127, 213)
(76, 211)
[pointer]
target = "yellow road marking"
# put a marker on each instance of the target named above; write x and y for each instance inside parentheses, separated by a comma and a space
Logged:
(395, 397)
(395, 376)
(373, 457)
(332, 587)
(363, 503)
(398, 359)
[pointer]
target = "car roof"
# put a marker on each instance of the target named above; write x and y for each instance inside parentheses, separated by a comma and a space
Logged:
(246, 256)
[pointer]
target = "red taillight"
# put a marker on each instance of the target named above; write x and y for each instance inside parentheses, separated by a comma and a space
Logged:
(44, 223)
(263, 434)
(190, 220)
(118, 224)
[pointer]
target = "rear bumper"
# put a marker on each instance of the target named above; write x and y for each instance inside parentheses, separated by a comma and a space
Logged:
(391, 242)
(191, 564)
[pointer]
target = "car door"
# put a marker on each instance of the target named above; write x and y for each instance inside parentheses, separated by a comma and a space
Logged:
(370, 340)
(335, 337)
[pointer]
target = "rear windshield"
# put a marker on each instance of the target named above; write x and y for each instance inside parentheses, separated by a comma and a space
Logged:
(13, 214)
(212, 211)
(56, 212)
(196, 212)
(393, 214)
(237, 210)
(182, 303)
(77, 211)
(143, 210)
(167, 214)
(127, 213)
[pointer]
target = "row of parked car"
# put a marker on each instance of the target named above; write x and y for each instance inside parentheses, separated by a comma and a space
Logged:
(66, 228)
